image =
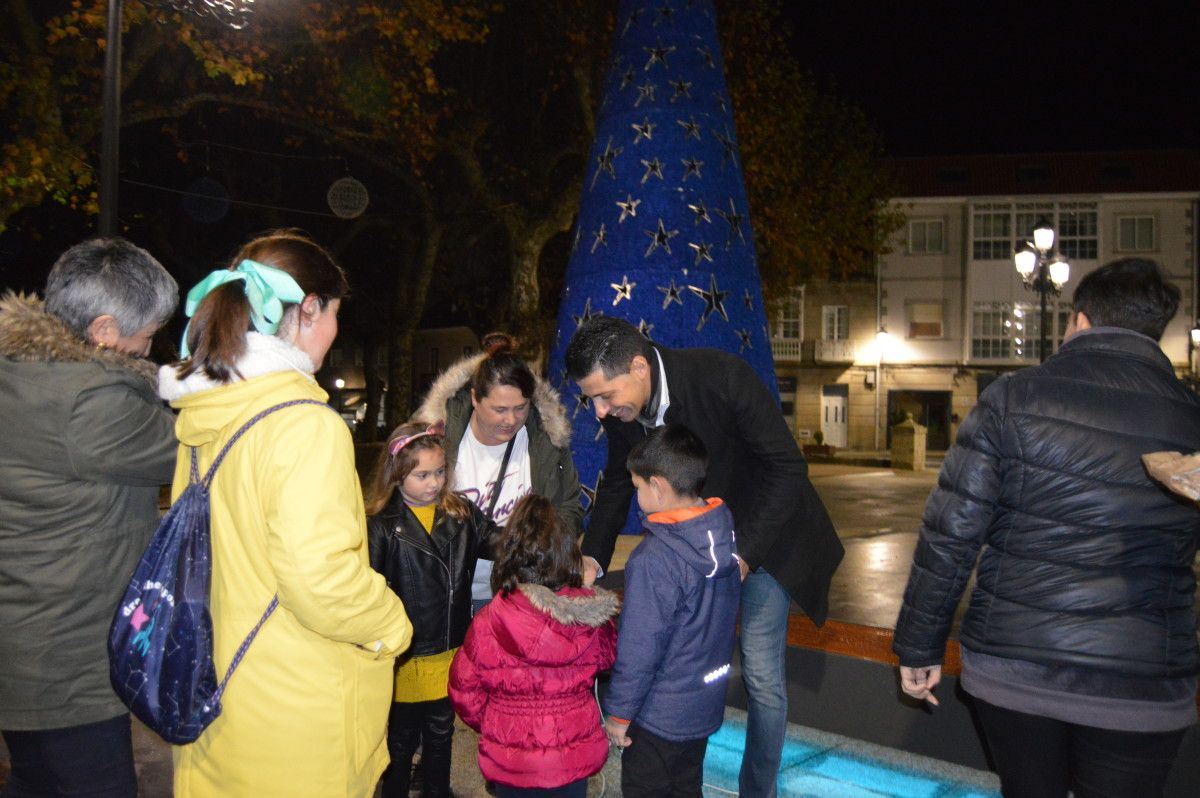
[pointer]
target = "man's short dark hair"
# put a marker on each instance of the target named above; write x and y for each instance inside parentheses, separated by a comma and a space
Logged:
(606, 343)
(674, 453)
(1129, 293)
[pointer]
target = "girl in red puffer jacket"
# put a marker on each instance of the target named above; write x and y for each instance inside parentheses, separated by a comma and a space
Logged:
(523, 678)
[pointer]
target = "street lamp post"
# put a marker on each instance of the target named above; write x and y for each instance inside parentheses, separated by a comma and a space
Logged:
(1043, 271)
(111, 132)
(881, 336)
(1193, 345)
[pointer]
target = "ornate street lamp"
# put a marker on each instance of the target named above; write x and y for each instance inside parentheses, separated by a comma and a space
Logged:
(233, 13)
(1043, 271)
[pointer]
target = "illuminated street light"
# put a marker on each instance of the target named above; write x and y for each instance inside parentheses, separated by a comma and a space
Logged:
(1043, 271)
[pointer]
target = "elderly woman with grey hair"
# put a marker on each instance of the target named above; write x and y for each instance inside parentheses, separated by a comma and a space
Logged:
(84, 446)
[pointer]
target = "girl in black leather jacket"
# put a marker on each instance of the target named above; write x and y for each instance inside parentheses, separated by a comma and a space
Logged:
(425, 540)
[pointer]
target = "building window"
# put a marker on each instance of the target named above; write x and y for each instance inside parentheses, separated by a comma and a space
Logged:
(1005, 332)
(989, 334)
(1078, 231)
(1135, 233)
(991, 234)
(952, 175)
(1029, 215)
(1033, 173)
(997, 227)
(835, 322)
(790, 323)
(925, 319)
(926, 237)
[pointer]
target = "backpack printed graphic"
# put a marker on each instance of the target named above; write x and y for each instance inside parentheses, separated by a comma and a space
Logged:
(160, 645)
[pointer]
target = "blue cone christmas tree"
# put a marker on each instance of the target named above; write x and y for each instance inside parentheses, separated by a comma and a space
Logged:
(663, 237)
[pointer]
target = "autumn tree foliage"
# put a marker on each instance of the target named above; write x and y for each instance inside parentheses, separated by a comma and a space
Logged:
(354, 71)
(482, 113)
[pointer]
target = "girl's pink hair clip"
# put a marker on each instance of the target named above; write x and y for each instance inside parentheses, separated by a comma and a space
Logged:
(437, 428)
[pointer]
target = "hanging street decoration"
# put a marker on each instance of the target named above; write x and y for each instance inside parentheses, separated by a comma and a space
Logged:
(347, 198)
(665, 227)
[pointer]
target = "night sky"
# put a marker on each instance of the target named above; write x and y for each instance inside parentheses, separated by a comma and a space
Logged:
(974, 77)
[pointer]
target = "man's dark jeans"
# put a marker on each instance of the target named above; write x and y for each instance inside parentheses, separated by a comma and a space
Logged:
(90, 761)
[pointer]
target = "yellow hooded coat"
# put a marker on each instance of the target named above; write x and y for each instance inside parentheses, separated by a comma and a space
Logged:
(305, 713)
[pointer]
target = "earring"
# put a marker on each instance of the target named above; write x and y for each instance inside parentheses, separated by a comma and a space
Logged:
(101, 345)
(308, 324)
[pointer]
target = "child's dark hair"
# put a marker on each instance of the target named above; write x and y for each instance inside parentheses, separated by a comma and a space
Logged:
(674, 453)
(536, 548)
(392, 469)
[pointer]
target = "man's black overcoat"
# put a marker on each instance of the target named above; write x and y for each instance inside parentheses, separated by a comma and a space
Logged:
(754, 466)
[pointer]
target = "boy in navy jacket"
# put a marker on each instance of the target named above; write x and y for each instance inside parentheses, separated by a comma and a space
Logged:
(682, 586)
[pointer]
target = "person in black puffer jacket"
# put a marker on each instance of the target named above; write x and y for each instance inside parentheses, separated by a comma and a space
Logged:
(1079, 645)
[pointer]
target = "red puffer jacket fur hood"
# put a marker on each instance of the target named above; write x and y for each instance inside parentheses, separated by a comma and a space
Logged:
(523, 679)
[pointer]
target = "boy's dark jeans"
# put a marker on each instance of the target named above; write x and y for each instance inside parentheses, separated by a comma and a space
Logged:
(657, 768)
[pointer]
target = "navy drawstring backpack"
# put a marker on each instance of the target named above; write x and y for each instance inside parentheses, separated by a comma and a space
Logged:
(160, 645)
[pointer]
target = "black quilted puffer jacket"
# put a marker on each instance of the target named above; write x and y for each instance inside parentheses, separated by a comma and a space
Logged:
(1085, 560)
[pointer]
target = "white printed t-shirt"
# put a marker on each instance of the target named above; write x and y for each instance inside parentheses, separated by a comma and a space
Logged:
(475, 473)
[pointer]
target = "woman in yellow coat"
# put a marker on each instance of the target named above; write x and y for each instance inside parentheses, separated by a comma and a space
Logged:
(305, 712)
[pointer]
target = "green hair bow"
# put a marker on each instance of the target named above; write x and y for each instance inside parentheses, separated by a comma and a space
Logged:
(267, 289)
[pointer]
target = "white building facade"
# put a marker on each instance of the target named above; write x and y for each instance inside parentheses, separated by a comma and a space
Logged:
(956, 312)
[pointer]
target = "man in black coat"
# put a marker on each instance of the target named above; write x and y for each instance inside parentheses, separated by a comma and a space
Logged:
(785, 539)
(1079, 646)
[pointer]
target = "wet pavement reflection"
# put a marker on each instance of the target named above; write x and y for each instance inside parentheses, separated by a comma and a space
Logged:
(877, 513)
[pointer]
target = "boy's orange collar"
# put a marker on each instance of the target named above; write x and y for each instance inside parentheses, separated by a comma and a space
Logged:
(683, 513)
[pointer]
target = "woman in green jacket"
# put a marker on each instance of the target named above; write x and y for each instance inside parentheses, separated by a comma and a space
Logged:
(492, 403)
(86, 443)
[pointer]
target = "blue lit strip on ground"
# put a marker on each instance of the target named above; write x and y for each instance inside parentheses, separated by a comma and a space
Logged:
(816, 771)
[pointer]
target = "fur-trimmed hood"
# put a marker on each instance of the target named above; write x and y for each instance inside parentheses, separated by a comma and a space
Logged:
(458, 376)
(29, 333)
(594, 610)
(543, 627)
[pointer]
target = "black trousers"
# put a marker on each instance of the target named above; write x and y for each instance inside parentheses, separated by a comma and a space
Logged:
(430, 726)
(576, 789)
(94, 760)
(1039, 757)
(657, 768)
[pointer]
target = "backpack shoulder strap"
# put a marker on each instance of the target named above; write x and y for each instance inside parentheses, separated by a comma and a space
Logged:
(212, 470)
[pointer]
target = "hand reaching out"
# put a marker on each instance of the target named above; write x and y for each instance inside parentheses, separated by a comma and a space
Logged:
(591, 570)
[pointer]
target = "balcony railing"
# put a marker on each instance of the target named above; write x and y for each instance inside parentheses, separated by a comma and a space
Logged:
(786, 348)
(834, 352)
